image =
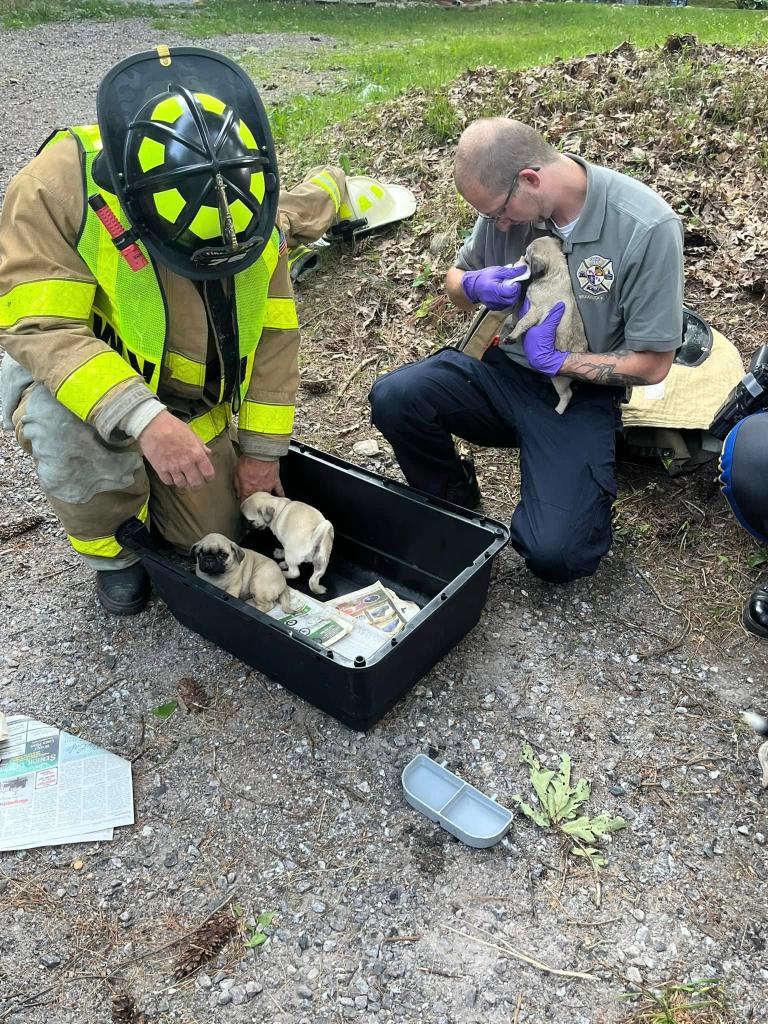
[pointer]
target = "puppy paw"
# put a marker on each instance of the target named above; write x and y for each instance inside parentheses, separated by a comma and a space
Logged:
(279, 554)
(283, 566)
(317, 588)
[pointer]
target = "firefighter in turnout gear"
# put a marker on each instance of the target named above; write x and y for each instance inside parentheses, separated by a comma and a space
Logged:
(146, 301)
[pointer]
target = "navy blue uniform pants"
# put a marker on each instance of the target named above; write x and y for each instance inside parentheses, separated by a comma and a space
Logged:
(562, 524)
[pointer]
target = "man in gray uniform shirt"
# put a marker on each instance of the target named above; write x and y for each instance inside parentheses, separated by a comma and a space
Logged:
(624, 247)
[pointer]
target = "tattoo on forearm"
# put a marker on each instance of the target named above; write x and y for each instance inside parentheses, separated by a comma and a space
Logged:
(605, 373)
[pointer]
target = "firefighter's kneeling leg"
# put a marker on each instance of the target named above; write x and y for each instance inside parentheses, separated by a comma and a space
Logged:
(92, 486)
(184, 516)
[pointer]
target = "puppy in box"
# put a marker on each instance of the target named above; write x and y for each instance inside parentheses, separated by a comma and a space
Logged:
(244, 574)
(305, 535)
(549, 283)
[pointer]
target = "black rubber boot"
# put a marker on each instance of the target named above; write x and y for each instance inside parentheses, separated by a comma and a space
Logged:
(755, 615)
(466, 493)
(124, 591)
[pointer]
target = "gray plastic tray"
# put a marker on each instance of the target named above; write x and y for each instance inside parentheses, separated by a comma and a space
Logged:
(459, 808)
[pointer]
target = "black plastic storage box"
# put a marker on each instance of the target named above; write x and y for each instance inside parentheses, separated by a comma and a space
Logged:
(424, 549)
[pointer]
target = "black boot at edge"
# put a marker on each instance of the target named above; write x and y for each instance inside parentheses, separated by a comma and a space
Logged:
(124, 591)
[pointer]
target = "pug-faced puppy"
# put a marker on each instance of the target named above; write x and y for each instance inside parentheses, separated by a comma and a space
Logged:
(305, 535)
(244, 574)
(760, 725)
(549, 283)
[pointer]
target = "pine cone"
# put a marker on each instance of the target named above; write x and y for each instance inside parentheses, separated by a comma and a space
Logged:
(193, 694)
(208, 940)
(317, 385)
(21, 525)
(125, 1011)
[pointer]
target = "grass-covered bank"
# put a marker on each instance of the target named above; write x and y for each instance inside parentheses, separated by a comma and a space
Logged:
(381, 52)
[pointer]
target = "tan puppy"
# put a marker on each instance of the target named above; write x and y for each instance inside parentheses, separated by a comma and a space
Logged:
(242, 573)
(548, 284)
(305, 535)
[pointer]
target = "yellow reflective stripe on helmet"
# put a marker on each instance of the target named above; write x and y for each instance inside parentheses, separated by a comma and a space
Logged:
(266, 419)
(105, 547)
(211, 103)
(70, 300)
(281, 315)
(211, 424)
(88, 384)
(326, 182)
(188, 371)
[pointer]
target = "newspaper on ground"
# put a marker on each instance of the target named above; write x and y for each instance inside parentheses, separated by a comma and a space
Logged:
(56, 788)
(371, 606)
(316, 621)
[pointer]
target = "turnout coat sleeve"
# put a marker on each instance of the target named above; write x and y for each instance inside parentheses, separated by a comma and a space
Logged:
(265, 421)
(309, 209)
(47, 291)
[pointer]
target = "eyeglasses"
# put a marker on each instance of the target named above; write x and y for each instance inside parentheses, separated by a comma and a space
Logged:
(494, 218)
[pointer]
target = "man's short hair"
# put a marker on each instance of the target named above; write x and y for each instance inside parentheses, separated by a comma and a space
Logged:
(493, 150)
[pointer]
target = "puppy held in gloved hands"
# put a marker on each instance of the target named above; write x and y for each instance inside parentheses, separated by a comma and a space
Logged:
(305, 535)
(549, 323)
(494, 287)
(244, 574)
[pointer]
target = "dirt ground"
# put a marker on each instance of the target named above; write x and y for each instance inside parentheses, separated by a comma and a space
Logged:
(263, 802)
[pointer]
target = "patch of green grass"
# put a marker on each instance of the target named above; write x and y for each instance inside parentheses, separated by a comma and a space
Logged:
(696, 1002)
(386, 51)
(25, 13)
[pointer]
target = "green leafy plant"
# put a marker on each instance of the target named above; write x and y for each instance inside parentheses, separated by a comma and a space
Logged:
(164, 711)
(256, 936)
(696, 1002)
(559, 806)
(424, 276)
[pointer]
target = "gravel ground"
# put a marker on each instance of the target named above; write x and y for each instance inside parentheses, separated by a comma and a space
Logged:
(262, 799)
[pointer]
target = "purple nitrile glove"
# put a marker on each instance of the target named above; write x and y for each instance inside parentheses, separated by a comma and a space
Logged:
(495, 287)
(539, 341)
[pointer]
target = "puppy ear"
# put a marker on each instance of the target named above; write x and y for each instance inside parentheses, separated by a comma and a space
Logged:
(194, 549)
(537, 264)
(238, 552)
(268, 514)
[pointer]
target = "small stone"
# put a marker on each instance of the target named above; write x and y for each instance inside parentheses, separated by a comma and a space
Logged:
(219, 977)
(617, 790)
(253, 988)
(743, 829)
(223, 998)
(204, 981)
(50, 961)
(238, 995)
(303, 941)
(440, 242)
(78, 865)
(110, 661)
(226, 984)
(303, 886)
(634, 976)
(304, 992)
(329, 945)
(760, 838)
(368, 447)
(399, 741)
(637, 914)
(362, 985)
(318, 907)
(171, 859)
(361, 1002)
